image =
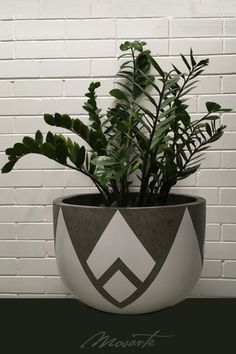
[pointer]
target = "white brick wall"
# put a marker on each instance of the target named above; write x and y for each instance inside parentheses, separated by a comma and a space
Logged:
(49, 52)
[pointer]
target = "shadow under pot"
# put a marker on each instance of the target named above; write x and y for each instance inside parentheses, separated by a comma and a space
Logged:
(129, 260)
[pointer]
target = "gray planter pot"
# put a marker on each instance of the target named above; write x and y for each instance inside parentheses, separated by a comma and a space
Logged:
(129, 260)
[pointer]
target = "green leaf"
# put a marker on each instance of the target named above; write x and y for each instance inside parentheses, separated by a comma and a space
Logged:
(49, 119)
(185, 62)
(208, 129)
(167, 101)
(31, 144)
(80, 157)
(118, 94)
(9, 166)
(39, 137)
(125, 46)
(18, 150)
(177, 70)
(57, 119)
(203, 62)
(81, 129)
(156, 66)
(212, 107)
(104, 161)
(48, 150)
(66, 121)
(193, 62)
(61, 152)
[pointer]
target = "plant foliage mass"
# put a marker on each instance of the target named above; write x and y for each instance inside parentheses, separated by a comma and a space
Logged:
(147, 136)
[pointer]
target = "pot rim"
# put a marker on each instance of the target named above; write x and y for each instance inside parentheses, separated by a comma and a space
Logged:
(60, 202)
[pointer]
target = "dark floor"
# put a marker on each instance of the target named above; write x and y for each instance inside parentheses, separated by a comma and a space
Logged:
(66, 326)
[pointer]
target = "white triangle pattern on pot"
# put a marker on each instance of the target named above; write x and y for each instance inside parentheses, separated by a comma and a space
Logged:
(119, 241)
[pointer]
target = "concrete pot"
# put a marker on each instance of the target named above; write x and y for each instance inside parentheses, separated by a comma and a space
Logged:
(129, 260)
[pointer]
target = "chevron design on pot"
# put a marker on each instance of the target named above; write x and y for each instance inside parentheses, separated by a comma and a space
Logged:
(121, 264)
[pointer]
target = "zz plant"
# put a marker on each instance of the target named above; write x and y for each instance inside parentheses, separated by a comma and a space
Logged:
(147, 135)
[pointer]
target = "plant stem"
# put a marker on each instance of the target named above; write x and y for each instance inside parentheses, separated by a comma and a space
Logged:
(145, 177)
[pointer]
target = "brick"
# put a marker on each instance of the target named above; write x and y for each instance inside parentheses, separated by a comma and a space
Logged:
(78, 87)
(229, 232)
(229, 269)
(199, 46)
(226, 142)
(215, 288)
(22, 106)
(37, 29)
(23, 178)
(142, 28)
(220, 250)
(63, 105)
(21, 214)
(6, 30)
(217, 178)
(8, 266)
(39, 49)
(65, 68)
(230, 121)
(229, 84)
(21, 284)
(19, 69)
(222, 64)
(22, 248)
(147, 8)
(6, 50)
(48, 213)
(50, 248)
(57, 9)
(189, 181)
(7, 231)
(210, 194)
(228, 159)
(230, 27)
(211, 159)
(37, 266)
(92, 48)
(212, 232)
(72, 191)
(196, 27)
(221, 214)
(65, 178)
(26, 9)
(37, 196)
(89, 29)
(104, 67)
(37, 88)
(7, 196)
(34, 231)
(227, 196)
(229, 45)
(8, 140)
(207, 85)
(5, 89)
(211, 269)
(55, 285)
(29, 125)
(7, 125)
(37, 162)
(6, 10)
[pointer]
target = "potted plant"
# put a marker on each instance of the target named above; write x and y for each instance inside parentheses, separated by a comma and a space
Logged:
(131, 248)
